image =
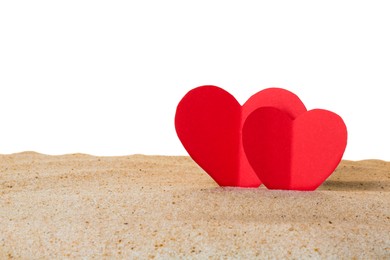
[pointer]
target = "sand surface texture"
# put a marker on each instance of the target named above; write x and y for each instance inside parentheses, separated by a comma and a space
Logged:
(81, 206)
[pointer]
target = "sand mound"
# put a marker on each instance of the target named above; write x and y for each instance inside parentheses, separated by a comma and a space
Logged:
(157, 206)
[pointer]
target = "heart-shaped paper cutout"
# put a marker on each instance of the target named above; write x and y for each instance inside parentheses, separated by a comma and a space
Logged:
(209, 124)
(294, 154)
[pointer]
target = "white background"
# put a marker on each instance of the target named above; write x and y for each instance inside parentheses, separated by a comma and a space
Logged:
(104, 77)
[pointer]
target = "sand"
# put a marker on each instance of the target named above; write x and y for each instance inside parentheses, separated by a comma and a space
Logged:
(81, 206)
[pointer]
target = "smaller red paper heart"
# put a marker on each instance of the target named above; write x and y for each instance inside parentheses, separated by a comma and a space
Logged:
(294, 154)
(209, 122)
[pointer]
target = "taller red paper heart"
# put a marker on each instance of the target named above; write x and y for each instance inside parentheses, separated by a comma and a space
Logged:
(294, 154)
(209, 124)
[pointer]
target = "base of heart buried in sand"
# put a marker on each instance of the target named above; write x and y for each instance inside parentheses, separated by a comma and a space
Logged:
(81, 206)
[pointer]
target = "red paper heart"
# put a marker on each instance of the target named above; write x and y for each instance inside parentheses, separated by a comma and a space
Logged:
(294, 154)
(209, 124)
